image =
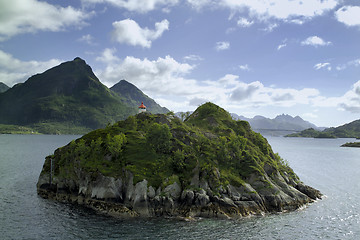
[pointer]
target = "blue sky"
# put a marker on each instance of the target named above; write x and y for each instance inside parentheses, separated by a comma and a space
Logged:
(298, 57)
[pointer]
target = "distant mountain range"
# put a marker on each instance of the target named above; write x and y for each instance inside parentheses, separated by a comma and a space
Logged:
(280, 125)
(3, 87)
(69, 98)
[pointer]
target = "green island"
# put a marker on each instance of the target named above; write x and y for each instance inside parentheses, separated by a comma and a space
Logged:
(351, 144)
(148, 165)
(311, 133)
(349, 130)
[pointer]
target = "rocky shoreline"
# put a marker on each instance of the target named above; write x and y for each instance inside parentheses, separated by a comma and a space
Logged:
(122, 198)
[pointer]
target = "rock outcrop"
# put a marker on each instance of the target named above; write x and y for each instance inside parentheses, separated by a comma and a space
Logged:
(121, 197)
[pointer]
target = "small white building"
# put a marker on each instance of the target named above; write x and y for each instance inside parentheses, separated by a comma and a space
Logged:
(142, 108)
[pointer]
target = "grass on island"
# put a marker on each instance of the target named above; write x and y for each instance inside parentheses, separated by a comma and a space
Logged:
(163, 149)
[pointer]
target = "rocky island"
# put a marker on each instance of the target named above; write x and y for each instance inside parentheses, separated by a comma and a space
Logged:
(156, 165)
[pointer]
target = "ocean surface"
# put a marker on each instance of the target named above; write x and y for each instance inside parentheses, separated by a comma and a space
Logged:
(320, 163)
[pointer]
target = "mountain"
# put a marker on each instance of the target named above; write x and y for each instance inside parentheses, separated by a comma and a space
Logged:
(349, 130)
(3, 87)
(280, 125)
(68, 98)
(157, 165)
(134, 96)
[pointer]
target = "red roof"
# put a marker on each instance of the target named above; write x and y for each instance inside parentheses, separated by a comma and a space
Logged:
(142, 106)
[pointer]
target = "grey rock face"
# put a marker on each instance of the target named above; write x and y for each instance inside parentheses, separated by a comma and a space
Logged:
(140, 198)
(120, 197)
(173, 190)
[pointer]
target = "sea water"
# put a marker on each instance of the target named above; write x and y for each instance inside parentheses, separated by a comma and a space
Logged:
(320, 163)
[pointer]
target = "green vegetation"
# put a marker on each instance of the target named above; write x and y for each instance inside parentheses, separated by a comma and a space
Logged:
(69, 99)
(351, 144)
(312, 133)
(163, 149)
(350, 130)
(14, 129)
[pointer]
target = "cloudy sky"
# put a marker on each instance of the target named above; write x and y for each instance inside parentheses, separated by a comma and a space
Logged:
(251, 57)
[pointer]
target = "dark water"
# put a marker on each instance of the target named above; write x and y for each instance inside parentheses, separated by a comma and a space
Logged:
(320, 163)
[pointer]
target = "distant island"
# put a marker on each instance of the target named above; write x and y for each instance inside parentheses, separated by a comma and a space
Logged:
(68, 99)
(157, 165)
(351, 144)
(311, 133)
(349, 130)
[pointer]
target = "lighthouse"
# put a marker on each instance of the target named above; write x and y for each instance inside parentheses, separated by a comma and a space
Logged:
(142, 108)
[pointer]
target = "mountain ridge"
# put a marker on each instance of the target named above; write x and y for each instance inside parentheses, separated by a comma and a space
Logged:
(68, 98)
(282, 124)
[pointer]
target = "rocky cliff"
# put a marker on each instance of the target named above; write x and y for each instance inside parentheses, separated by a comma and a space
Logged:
(156, 165)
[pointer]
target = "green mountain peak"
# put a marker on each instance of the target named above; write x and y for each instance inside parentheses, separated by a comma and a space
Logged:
(69, 98)
(66, 95)
(209, 115)
(133, 96)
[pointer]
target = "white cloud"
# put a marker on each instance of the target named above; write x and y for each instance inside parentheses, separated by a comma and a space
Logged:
(245, 91)
(87, 39)
(222, 46)
(160, 76)
(349, 15)
(243, 22)
(270, 27)
(165, 80)
(229, 80)
(297, 21)
(230, 91)
(309, 115)
(284, 44)
(18, 16)
(193, 57)
(244, 67)
(281, 46)
(129, 32)
(326, 65)
(315, 41)
(341, 67)
(353, 63)
(351, 100)
(13, 70)
(108, 57)
(197, 101)
(141, 6)
(198, 4)
(281, 9)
